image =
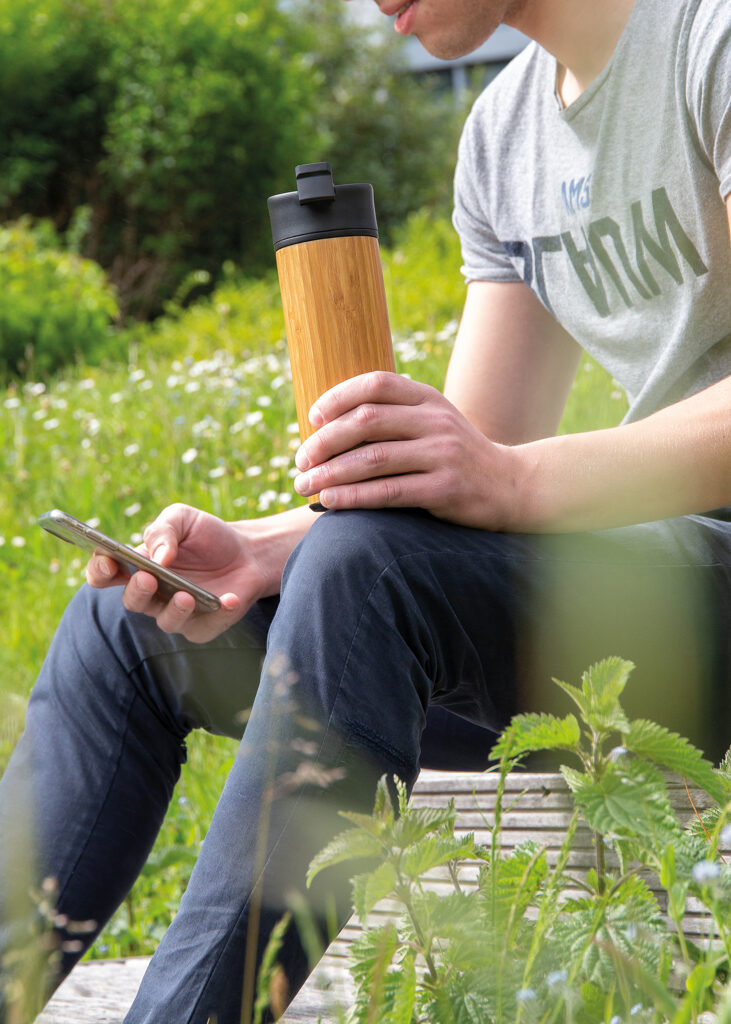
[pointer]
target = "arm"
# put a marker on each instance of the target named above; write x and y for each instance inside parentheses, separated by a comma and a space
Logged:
(487, 459)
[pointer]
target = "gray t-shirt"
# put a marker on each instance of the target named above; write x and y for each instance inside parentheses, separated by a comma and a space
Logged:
(612, 210)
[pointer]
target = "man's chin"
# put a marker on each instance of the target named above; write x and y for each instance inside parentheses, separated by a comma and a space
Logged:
(450, 49)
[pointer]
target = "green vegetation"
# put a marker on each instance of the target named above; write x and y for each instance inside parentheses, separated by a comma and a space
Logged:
(201, 410)
(162, 128)
(47, 297)
(532, 941)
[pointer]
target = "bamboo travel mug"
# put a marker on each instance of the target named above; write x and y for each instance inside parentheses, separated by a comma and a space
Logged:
(330, 276)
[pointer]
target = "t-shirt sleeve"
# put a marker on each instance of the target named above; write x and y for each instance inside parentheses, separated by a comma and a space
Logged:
(708, 89)
(484, 258)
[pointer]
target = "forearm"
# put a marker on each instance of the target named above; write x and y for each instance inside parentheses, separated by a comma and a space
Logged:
(675, 462)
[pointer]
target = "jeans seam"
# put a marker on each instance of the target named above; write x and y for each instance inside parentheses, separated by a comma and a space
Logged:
(92, 829)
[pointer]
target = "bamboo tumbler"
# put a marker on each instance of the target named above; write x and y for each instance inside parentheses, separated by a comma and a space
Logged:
(330, 276)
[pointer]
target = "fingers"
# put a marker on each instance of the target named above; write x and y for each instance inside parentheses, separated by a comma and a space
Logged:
(380, 387)
(381, 459)
(366, 423)
(178, 615)
(105, 572)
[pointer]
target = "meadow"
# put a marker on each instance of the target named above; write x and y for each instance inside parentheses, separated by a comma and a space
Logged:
(200, 410)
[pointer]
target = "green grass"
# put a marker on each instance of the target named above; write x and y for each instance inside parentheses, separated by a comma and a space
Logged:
(202, 412)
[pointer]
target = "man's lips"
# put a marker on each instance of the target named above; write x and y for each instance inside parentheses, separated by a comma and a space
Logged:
(389, 9)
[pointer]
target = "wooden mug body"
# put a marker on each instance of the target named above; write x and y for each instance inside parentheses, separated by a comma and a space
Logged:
(335, 316)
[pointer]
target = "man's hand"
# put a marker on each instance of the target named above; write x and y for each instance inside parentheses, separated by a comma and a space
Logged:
(216, 555)
(384, 441)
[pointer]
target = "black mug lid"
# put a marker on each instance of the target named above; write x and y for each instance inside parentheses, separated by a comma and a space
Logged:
(321, 209)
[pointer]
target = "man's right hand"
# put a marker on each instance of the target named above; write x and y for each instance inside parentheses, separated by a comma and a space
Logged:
(239, 563)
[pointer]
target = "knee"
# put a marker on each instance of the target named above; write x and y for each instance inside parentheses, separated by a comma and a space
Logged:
(347, 550)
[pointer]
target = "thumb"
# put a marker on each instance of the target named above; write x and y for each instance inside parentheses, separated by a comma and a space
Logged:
(161, 541)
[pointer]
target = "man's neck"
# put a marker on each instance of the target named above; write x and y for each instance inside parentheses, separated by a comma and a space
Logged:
(580, 34)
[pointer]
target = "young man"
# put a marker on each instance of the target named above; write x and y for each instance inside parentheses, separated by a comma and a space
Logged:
(470, 553)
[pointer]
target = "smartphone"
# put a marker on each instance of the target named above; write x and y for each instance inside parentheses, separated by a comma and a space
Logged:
(86, 537)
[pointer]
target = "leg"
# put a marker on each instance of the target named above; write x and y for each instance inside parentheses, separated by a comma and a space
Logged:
(90, 780)
(376, 620)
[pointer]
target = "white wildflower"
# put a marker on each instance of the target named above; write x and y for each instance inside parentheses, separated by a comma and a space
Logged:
(133, 509)
(254, 471)
(189, 455)
(131, 449)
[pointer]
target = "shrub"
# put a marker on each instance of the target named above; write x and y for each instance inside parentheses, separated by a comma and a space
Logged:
(55, 306)
(173, 122)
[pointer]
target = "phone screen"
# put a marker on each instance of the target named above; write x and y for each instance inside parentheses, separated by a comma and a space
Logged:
(74, 531)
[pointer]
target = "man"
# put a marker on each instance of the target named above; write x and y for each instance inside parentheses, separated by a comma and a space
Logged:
(470, 552)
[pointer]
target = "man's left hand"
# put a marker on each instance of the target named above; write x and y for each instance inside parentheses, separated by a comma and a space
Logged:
(384, 441)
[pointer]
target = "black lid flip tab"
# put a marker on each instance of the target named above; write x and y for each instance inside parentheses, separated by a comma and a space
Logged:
(320, 209)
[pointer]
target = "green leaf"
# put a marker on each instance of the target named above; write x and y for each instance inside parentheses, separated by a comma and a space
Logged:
(371, 956)
(349, 845)
(537, 732)
(574, 779)
(432, 851)
(371, 887)
(402, 1010)
(509, 884)
(383, 805)
(420, 821)
(598, 700)
(666, 748)
(630, 800)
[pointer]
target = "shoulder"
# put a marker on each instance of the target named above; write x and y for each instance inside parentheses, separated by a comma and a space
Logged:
(705, 41)
(511, 93)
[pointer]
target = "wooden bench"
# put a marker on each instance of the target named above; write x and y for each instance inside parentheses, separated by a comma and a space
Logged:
(100, 992)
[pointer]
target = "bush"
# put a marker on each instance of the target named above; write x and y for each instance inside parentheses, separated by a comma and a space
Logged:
(55, 306)
(173, 122)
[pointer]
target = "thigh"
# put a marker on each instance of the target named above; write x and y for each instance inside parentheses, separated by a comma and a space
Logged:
(657, 594)
(481, 622)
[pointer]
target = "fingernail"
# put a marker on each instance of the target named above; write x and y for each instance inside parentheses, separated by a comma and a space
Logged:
(302, 483)
(142, 584)
(301, 460)
(315, 417)
(104, 567)
(160, 551)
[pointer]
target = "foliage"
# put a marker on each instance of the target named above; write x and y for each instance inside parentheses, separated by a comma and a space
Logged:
(531, 941)
(172, 122)
(169, 125)
(54, 306)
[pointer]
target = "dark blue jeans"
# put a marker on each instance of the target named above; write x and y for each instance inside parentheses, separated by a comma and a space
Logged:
(398, 641)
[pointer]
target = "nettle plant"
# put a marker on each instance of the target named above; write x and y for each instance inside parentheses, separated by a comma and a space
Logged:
(531, 941)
